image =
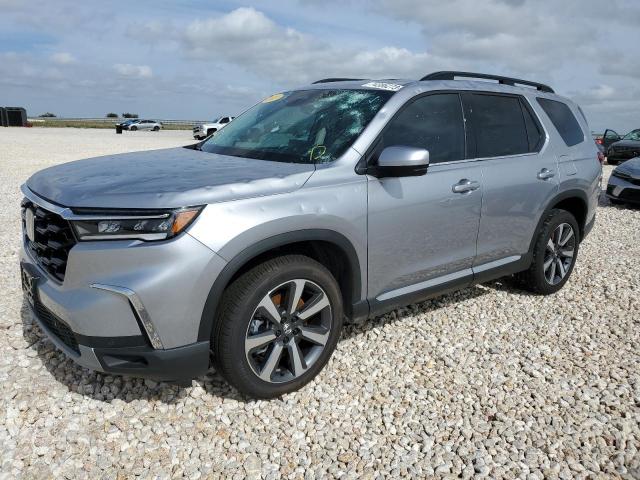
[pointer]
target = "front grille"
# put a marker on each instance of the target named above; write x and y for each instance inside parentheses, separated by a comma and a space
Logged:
(52, 240)
(56, 326)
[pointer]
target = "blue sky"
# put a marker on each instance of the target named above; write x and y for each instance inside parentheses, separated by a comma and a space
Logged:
(198, 59)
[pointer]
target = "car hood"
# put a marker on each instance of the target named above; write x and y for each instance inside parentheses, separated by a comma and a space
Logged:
(626, 143)
(168, 178)
(630, 167)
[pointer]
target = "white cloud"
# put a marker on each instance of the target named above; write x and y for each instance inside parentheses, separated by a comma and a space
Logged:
(248, 38)
(63, 58)
(133, 71)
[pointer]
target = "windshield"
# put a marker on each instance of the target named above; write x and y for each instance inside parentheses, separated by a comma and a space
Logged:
(304, 126)
(633, 135)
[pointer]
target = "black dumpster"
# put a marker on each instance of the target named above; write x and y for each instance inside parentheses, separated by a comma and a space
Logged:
(16, 116)
(4, 121)
(118, 128)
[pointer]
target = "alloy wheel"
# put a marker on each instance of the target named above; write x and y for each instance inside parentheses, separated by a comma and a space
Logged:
(288, 331)
(559, 253)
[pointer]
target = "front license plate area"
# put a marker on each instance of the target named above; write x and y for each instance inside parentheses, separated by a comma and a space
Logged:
(29, 284)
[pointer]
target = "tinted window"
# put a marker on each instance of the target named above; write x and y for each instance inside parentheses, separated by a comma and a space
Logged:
(564, 121)
(433, 122)
(632, 135)
(611, 134)
(534, 131)
(499, 125)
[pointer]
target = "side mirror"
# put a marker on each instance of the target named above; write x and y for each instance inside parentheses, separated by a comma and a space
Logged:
(399, 161)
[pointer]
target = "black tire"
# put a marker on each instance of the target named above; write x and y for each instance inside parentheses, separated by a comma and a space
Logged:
(211, 131)
(133, 129)
(612, 162)
(238, 311)
(155, 129)
(534, 279)
(613, 201)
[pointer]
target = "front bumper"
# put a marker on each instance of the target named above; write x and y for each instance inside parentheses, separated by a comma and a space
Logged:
(127, 355)
(623, 190)
(127, 306)
(75, 322)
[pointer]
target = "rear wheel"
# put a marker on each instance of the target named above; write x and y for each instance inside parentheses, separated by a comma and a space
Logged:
(612, 162)
(554, 254)
(156, 129)
(133, 129)
(277, 326)
(211, 131)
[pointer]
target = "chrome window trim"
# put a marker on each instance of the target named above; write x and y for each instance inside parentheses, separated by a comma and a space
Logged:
(482, 159)
(523, 96)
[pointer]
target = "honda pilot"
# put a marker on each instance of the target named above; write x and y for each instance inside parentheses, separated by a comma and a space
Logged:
(330, 203)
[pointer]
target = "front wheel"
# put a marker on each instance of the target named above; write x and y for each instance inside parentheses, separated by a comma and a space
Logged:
(133, 129)
(277, 326)
(554, 254)
(155, 129)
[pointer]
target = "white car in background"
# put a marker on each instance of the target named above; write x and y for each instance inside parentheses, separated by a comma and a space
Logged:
(133, 125)
(205, 129)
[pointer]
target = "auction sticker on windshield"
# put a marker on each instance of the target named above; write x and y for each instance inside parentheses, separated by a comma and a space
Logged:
(273, 98)
(393, 87)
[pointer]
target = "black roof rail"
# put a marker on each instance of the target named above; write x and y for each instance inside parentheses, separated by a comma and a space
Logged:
(450, 75)
(329, 80)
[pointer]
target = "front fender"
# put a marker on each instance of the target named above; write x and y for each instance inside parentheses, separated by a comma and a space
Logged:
(240, 230)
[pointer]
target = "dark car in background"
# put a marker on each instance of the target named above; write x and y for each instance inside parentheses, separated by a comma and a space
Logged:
(624, 149)
(605, 140)
(624, 183)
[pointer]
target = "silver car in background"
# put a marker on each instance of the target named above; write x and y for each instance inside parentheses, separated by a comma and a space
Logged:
(331, 203)
(152, 125)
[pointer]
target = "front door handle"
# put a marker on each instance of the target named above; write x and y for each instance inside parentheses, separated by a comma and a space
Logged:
(464, 186)
(545, 174)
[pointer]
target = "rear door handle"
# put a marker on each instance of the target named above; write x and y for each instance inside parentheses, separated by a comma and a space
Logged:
(464, 186)
(545, 174)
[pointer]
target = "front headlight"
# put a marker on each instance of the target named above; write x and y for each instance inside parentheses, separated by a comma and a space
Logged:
(159, 225)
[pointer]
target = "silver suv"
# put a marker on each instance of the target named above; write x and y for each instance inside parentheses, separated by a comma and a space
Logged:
(330, 203)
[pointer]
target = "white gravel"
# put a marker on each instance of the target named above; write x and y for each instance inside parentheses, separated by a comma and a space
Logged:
(488, 382)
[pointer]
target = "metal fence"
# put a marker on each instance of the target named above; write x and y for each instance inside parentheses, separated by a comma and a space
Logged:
(113, 121)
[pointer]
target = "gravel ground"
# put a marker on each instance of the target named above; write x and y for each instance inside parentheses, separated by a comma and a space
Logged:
(488, 381)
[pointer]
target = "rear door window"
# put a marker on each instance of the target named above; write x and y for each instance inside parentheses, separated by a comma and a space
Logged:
(499, 126)
(563, 119)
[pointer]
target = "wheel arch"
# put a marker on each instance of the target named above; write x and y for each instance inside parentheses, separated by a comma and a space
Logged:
(575, 202)
(329, 247)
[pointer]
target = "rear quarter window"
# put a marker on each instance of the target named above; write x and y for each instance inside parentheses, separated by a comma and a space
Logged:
(563, 119)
